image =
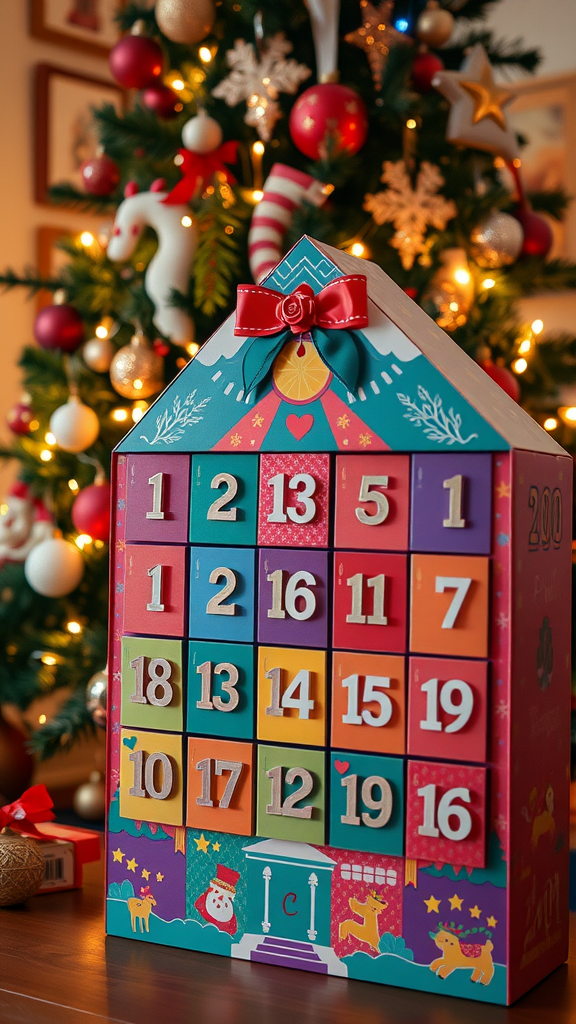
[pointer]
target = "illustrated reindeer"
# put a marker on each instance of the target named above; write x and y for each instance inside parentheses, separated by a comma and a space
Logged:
(170, 266)
(458, 955)
(140, 908)
(369, 912)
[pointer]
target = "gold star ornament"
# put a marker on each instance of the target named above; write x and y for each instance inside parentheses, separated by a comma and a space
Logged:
(477, 116)
(376, 36)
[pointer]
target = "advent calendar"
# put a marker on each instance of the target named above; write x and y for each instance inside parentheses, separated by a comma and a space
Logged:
(339, 650)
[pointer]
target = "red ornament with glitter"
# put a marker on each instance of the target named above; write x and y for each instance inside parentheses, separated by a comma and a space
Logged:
(328, 114)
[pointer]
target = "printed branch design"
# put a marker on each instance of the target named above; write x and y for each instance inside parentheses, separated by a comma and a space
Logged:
(436, 424)
(170, 427)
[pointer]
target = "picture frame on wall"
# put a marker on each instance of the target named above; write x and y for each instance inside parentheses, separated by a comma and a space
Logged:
(86, 25)
(49, 258)
(64, 129)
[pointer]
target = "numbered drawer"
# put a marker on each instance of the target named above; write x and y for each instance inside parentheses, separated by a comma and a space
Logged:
(157, 498)
(370, 601)
(448, 708)
(372, 502)
(292, 597)
(451, 503)
(293, 505)
(367, 803)
(222, 594)
(151, 782)
(152, 683)
(292, 695)
(221, 690)
(291, 794)
(220, 786)
(449, 605)
(446, 813)
(155, 590)
(224, 499)
(368, 702)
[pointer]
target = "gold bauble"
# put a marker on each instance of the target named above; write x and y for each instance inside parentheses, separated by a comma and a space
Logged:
(89, 800)
(185, 21)
(98, 354)
(137, 371)
(21, 868)
(435, 25)
(451, 289)
(497, 240)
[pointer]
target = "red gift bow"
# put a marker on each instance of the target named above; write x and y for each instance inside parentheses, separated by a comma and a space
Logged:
(35, 804)
(340, 304)
(200, 167)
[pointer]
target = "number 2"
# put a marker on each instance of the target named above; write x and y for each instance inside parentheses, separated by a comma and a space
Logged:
(215, 606)
(217, 510)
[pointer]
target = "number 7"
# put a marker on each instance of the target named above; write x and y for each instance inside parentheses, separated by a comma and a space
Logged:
(461, 585)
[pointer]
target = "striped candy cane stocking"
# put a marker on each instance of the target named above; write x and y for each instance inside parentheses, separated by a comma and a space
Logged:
(285, 189)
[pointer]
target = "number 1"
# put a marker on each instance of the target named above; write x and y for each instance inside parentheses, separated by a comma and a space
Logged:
(157, 482)
(455, 520)
(155, 605)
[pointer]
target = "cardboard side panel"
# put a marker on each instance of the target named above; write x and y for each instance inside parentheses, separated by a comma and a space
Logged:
(540, 703)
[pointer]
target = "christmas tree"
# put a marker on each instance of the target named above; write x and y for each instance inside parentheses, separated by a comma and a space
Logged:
(380, 129)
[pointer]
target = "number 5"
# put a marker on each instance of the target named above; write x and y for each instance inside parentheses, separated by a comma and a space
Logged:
(461, 585)
(379, 499)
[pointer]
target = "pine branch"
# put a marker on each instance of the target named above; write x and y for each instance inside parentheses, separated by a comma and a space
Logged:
(503, 54)
(30, 279)
(71, 723)
(66, 195)
(140, 132)
(554, 202)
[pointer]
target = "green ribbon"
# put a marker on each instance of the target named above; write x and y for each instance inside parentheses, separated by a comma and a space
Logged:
(338, 349)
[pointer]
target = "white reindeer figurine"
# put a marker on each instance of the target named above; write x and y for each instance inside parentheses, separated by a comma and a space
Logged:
(170, 266)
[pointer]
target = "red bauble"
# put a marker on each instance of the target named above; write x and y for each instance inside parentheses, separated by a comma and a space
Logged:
(425, 66)
(91, 511)
(328, 111)
(161, 348)
(136, 62)
(59, 327)
(19, 418)
(411, 293)
(501, 376)
(162, 100)
(100, 176)
(538, 235)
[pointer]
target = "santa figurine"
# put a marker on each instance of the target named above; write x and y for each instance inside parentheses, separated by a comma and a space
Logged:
(24, 522)
(217, 904)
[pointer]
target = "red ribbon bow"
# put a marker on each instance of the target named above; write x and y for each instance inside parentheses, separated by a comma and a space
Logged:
(341, 304)
(200, 167)
(35, 804)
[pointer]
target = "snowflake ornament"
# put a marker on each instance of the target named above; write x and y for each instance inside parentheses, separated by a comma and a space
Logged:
(259, 79)
(410, 210)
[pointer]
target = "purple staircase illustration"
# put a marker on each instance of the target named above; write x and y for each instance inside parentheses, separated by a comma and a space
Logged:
(286, 953)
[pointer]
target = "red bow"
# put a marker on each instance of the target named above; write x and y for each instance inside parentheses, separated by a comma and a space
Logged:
(200, 167)
(35, 804)
(341, 304)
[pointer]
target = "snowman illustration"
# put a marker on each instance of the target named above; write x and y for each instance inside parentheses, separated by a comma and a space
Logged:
(216, 905)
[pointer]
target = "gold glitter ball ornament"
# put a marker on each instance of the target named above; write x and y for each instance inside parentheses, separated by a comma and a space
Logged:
(185, 21)
(137, 371)
(496, 241)
(21, 868)
(98, 354)
(435, 25)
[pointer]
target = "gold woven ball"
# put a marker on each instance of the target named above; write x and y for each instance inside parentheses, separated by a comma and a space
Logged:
(137, 371)
(185, 21)
(21, 868)
(435, 25)
(496, 241)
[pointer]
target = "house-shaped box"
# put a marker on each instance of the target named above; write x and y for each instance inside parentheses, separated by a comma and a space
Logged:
(339, 650)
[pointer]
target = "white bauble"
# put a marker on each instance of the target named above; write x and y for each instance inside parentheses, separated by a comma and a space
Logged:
(202, 134)
(74, 425)
(98, 353)
(89, 800)
(54, 567)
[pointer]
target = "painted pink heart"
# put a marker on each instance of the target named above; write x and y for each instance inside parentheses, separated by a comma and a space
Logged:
(341, 766)
(299, 425)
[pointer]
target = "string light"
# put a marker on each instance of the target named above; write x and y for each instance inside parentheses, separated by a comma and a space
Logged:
(205, 54)
(411, 123)
(462, 276)
(49, 438)
(488, 282)
(551, 423)
(401, 25)
(258, 148)
(120, 415)
(537, 326)
(519, 365)
(257, 195)
(82, 540)
(192, 348)
(73, 627)
(137, 384)
(48, 659)
(525, 346)
(568, 414)
(177, 84)
(41, 719)
(358, 249)
(186, 221)
(138, 410)
(34, 424)
(101, 331)
(178, 159)
(87, 239)
(3, 508)
(73, 485)
(46, 455)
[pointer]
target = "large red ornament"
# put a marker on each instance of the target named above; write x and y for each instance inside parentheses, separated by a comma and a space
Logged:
(538, 235)
(328, 112)
(162, 100)
(501, 376)
(136, 62)
(19, 418)
(425, 66)
(100, 175)
(60, 327)
(91, 511)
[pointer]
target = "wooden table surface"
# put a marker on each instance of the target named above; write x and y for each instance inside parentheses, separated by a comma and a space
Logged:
(57, 966)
